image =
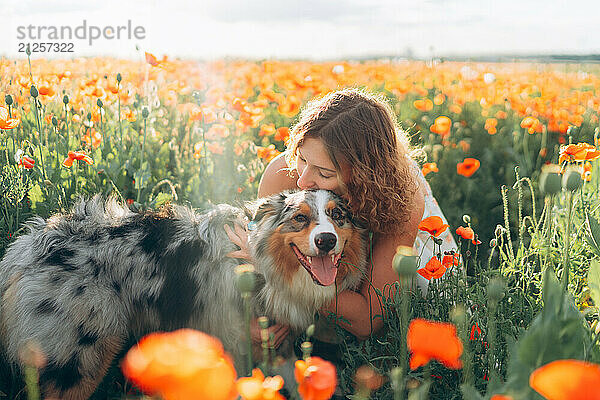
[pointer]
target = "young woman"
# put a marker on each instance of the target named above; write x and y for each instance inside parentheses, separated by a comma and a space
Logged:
(349, 142)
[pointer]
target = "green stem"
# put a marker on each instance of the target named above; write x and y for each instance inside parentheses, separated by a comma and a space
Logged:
(565, 274)
(248, 316)
(141, 163)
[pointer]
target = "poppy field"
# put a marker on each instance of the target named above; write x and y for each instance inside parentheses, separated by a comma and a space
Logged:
(509, 151)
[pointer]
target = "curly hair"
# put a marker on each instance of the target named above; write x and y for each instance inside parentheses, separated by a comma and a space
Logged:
(360, 134)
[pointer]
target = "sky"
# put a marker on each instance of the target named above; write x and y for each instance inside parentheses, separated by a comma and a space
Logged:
(310, 29)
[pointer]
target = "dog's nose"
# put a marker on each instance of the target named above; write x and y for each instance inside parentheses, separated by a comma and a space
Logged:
(325, 241)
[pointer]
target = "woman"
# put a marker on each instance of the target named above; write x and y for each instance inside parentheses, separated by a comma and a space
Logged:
(348, 142)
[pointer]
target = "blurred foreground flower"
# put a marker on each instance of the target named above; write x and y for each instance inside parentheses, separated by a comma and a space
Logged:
(316, 378)
(257, 387)
(184, 364)
(567, 379)
(429, 340)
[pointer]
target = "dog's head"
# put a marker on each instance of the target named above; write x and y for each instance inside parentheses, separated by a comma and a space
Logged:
(308, 232)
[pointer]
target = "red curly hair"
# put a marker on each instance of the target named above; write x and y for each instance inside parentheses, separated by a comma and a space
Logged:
(360, 133)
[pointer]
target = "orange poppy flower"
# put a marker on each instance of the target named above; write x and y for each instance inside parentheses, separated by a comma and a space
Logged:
(46, 89)
(217, 131)
(257, 387)
(451, 260)
(441, 126)
(151, 59)
(501, 397)
(468, 167)
(586, 173)
(434, 225)
(290, 106)
(433, 269)
(439, 99)
(429, 167)
(183, 364)
(532, 124)
(465, 232)
(7, 122)
(267, 153)
(567, 379)
(79, 156)
(266, 130)
(578, 152)
(490, 125)
(423, 105)
(282, 134)
(316, 378)
(428, 340)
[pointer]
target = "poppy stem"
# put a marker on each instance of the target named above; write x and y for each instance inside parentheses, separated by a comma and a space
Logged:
(565, 274)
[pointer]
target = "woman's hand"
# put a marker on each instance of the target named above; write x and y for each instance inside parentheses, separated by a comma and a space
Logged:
(239, 238)
(279, 333)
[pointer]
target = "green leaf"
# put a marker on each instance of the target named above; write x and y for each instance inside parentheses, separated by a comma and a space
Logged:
(593, 280)
(36, 195)
(593, 233)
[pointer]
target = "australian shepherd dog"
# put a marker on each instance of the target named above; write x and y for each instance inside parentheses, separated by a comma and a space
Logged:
(79, 284)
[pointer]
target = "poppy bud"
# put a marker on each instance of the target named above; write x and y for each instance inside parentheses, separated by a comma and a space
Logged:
(404, 263)
(66, 99)
(33, 91)
(99, 102)
(145, 112)
(246, 279)
(571, 180)
(466, 219)
(119, 77)
(28, 50)
(550, 183)
(310, 331)
(89, 116)
(263, 322)
(493, 243)
(8, 99)
(54, 121)
(307, 348)
(495, 290)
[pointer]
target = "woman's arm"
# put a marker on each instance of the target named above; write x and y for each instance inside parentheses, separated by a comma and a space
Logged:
(359, 307)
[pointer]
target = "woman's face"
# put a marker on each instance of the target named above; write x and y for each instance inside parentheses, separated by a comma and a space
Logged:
(315, 168)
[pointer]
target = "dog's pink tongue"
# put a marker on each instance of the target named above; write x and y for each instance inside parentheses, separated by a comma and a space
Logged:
(324, 270)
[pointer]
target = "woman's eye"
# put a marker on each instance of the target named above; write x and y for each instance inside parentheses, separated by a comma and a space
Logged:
(301, 218)
(325, 176)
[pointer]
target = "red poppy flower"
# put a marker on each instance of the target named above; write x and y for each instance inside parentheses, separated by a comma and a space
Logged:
(475, 329)
(433, 269)
(434, 225)
(567, 379)
(451, 260)
(468, 167)
(79, 156)
(27, 162)
(578, 152)
(428, 340)
(465, 232)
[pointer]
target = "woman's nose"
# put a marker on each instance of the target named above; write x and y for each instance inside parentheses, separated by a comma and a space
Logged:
(305, 181)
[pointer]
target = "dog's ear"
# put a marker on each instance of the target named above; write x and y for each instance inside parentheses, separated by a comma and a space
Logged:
(261, 208)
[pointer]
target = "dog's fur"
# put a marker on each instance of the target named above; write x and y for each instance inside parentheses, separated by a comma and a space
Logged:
(79, 284)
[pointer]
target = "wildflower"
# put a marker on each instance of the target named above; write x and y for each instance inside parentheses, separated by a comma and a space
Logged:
(7, 122)
(567, 379)
(439, 99)
(429, 167)
(451, 260)
(290, 106)
(428, 340)
(490, 125)
(433, 269)
(441, 126)
(217, 131)
(79, 156)
(282, 134)
(423, 105)
(151, 59)
(183, 364)
(578, 152)
(316, 378)
(26, 162)
(532, 124)
(465, 232)
(501, 397)
(267, 153)
(475, 329)
(257, 387)
(467, 167)
(434, 225)
(267, 130)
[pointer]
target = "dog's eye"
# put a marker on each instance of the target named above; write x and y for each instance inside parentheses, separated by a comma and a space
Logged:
(337, 214)
(301, 218)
